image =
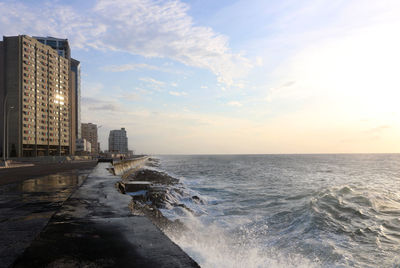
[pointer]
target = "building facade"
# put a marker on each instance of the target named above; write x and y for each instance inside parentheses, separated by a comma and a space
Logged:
(35, 97)
(62, 47)
(118, 141)
(76, 87)
(58, 44)
(83, 147)
(89, 132)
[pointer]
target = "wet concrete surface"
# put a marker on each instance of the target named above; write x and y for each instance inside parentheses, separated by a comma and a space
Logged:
(95, 228)
(14, 175)
(27, 205)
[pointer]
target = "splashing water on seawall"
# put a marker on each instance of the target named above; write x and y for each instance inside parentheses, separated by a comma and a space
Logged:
(287, 211)
(210, 246)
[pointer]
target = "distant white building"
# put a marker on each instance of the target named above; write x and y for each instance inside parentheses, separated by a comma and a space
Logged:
(118, 141)
(83, 146)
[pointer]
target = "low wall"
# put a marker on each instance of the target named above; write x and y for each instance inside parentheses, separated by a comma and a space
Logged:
(51, 159)
(123, 166)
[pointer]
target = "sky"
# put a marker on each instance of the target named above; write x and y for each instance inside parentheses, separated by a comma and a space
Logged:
(231, 77)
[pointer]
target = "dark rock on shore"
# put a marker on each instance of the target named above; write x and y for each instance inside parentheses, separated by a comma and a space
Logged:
(152, 176)
(153, 162)
(161, 194)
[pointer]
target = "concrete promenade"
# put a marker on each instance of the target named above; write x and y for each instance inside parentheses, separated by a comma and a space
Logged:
(95, 228)
(18, 174)
(29, 198)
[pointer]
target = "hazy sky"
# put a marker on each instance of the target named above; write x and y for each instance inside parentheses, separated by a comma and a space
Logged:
(247, 76)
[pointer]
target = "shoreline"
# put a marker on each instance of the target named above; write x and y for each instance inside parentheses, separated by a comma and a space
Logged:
(95, 227)
(149, 202)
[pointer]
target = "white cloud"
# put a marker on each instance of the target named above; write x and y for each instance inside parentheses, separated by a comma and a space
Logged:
(130, 67)
(98, 104)
(174, 84)
(235, 104)
(131, 96)
(152, 81)
(164, 29)
(139, 66)
(161, 29)
(177, 93)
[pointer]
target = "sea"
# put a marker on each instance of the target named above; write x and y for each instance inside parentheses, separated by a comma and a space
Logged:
(287, 210)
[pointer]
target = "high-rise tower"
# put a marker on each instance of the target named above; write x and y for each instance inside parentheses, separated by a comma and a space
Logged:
(89, 132)
(35, 89)
(62, 48)
(118, 141)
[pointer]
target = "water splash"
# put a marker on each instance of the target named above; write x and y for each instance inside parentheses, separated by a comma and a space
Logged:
(291, 211)
(212, 246)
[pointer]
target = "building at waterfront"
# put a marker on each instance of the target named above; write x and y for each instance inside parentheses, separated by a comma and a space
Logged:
(118, 141)
(83, 147)
(62, 48)
(35, 97)
(89, 132)
(58, 44)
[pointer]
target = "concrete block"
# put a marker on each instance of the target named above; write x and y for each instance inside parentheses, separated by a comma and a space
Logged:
(135, 186)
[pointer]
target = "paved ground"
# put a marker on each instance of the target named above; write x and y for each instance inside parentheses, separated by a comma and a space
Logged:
(15, 175)
(94, 228)
(27, 202)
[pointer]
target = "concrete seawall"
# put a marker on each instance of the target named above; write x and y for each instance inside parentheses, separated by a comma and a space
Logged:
(129, 165)
(95, 228)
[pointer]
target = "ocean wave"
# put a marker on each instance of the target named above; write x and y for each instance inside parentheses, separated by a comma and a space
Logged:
(219, 244)
(358, 216)
(239, 224)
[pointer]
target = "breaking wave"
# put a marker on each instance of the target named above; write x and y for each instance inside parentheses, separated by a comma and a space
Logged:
(229, 224)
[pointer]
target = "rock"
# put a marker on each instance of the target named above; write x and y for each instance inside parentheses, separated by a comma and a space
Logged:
(153, 176)
(134, 186)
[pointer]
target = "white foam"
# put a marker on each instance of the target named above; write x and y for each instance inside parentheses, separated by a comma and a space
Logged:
(211, 246)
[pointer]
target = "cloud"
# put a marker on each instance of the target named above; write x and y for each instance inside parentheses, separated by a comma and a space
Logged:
(161, 29)
(152, 81)
(97, 104)
(178, 94)
(288, 84)
(106, 107)
(285, 90)
(378, 129)
(138, 66)
(235, 104)
(130, 67)
(164, 29)
(131, 97)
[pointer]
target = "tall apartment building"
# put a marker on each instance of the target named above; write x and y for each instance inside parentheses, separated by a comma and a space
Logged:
(62, 48)
(58, 44)
(89, 132)
(35, 89)
(118, 141)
